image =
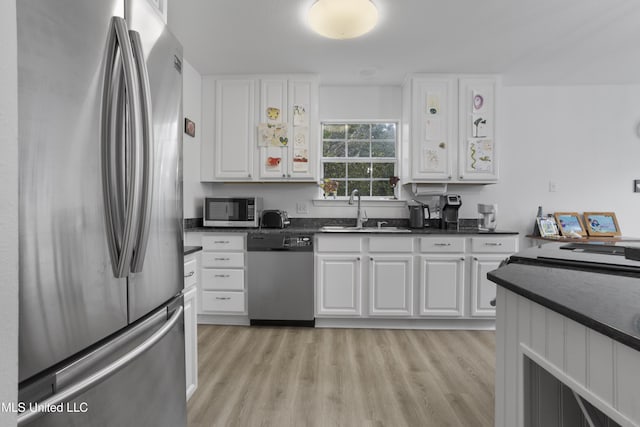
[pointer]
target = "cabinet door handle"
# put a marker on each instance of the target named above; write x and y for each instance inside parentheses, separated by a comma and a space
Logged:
(493, 244)
(224, 242)
(461, 258)
(475, 258)
(358, 258)
(221, 259)
(222, 275)
(223, 298)
(492, 303)
(189, 274)
(442, 244)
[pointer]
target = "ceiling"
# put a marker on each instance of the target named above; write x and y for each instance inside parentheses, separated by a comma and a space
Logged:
(529, 42)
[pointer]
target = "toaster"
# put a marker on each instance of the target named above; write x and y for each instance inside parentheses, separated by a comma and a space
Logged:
(275, 219)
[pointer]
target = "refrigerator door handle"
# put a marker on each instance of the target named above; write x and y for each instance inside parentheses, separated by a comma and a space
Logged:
(142, 237)
(121, 237)
(101, 375)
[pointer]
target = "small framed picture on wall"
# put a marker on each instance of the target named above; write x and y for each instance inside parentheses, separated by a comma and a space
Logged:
(189, 127)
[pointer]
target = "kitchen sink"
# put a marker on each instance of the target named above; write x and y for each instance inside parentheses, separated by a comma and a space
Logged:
(347, 229)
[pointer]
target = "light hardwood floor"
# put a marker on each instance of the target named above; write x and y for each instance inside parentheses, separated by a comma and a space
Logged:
(343, 377)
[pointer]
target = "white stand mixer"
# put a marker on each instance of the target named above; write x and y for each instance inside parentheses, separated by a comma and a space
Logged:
(488, 221)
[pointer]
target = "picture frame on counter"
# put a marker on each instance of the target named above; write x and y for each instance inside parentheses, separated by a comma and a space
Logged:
(569, 224)
(602, 224)
(547, 226)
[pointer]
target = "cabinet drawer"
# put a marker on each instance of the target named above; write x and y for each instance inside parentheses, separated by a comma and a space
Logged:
(229, 302)
(190, 273)
(494, 244)
(391, 244)
(222, 279)
(442, 244)
(223, 242)
(339, 244)
(222, 259)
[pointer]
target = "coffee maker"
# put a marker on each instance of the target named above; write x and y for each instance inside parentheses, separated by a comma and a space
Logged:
(449, 206)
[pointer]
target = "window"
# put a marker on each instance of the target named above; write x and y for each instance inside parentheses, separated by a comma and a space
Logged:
(360, 155)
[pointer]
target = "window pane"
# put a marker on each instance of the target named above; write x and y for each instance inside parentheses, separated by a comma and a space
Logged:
(342, 188)
(335, 170)
(358, 149)
(383, 131)
(383, 170)
(362, 186)
(382, 188)
(359, 170)
(383, 149)
(333, 149)
(333, 131)
(359, 131)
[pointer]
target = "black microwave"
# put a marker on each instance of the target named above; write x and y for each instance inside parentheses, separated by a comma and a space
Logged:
(231, 211)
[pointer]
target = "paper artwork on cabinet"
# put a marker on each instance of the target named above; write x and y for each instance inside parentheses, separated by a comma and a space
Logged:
(479, 126)
(478, 101)
(480, 155)
(274, 157)
(299, 115)
(273, 113)
(272, 135)
(301, 149)
(433, 103)
(431, 160)
(433, 129)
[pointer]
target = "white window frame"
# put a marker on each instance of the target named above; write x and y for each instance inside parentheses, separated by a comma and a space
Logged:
(395, 160)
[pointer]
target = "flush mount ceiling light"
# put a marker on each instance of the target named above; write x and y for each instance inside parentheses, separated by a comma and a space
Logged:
(343, 19)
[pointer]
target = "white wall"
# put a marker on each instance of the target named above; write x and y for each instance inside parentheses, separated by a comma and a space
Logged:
(336, 103)
(583, 138)
(8, 211)
(192, 108)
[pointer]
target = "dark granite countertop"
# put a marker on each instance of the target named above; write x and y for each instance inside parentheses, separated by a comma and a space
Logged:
(422, 231)
(191, 249)
(605, 302)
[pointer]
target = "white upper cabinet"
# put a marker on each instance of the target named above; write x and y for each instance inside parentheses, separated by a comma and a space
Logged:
(228, 134)
(259, 128)
(477, 160)
(449, 129)
(432, 135)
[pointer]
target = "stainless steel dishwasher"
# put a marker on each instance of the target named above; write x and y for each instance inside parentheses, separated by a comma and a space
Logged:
(280, 279)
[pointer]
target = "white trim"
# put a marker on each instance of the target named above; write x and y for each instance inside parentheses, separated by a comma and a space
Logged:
(208, 319)
(413, 323)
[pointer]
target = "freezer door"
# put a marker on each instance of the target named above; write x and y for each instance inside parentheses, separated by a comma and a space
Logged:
(162, 269)
(69, 298)
(147, 358)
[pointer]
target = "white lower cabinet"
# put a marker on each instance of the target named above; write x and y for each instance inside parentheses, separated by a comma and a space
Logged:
(442, 279)
(191, 339)
(190, 301)
(338, 285)
(391, 285)
(408, 277)
(483, 291)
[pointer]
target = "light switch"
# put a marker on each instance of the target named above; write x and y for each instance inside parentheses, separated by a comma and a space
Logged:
(302, 208)
(553, 186)
(636, 185)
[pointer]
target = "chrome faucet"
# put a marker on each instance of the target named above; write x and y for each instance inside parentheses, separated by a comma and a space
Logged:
(361, 218)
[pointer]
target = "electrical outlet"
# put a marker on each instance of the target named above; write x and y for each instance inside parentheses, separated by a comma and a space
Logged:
(553, 186)
(302, 208)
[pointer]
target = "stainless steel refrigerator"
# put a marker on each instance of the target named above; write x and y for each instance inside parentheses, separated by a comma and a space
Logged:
(101, 325)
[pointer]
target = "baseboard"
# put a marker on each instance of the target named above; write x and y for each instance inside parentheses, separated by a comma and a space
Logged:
(470, 324)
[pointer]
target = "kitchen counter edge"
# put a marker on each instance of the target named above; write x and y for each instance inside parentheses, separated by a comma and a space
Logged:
(425, 231)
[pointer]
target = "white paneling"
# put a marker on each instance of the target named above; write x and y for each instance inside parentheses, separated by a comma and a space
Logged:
(390, 244)
(576, 351)
(338, 244)
(599, 365)
(391, 285)
(628, 381)
(524, 336)
(8, 211)
(538, 329)
(511, 359)
(442, 285)
(501, 355)
(555, 338)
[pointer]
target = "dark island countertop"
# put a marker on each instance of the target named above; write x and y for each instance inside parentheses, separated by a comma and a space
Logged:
(603, 301)
(191, 249)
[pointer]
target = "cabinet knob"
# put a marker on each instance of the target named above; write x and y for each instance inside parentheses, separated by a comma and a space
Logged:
(475, 258)
(492, 303)
(371, 258)
(249, 175)
(449, 176)
(461, 177)
(283, 175)
(358, 258)
(461, 258)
